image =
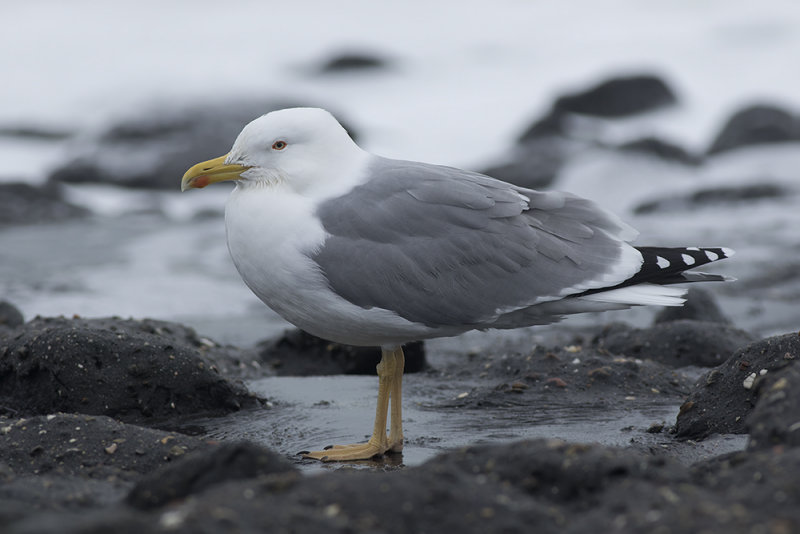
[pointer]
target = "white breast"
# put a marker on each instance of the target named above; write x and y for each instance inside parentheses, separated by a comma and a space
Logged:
(272, 233)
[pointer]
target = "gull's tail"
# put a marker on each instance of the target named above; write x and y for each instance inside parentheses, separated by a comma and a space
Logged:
(662, 267)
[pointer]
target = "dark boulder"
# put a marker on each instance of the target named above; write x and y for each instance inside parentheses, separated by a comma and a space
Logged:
(775, 421)
(577, 374)
(700, 305)
(88, 445)
(10, 316)
(22, 203)
(110, 367)
(549, 486)
(198, 471)
(755, 125)
(661, 149)
(715, 196)
(554, 124)
(155, 148)
(298, 353)
(550, 141)
(353, 62)
(34, 132)
(79, 463)
(723, 398)
(619, 97)
(676, 343)
(534, 164)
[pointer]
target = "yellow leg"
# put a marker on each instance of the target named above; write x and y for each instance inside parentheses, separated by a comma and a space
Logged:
(390, 385)
(396, 427)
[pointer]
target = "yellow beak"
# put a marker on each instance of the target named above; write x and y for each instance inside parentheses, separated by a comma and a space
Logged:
(210, 172)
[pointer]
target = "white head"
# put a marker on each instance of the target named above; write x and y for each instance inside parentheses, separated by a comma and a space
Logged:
(300, 147)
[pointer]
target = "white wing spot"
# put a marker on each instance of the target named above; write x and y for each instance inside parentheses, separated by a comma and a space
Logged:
(713, 256)
(688, 260)
(693, 249)
(662, 262)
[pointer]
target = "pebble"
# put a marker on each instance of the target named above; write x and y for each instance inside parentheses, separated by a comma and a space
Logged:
(748, 382)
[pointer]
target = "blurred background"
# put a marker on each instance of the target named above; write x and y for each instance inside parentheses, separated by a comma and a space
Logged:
(682, 117)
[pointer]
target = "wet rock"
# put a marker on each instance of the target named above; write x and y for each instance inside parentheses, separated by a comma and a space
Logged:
(676, 343)
(780, 279)
(533, 164)
(562, 473)
(556, 486)
(88, 445)
(775, 421)
(574, 373)
(722, 399)
(22, 203)
(77, 462)
(619, 97)
(754, 125)
(37, 133)
(353, 62)
(431, 498)
(109, 367)
(550, 141)
(758, 490)
(700, 305)
(664, 150)
(203, 469)
(713, 197)
(155, 148)
(10, 316)
(226, 360)
(553, 124)
(298, 353)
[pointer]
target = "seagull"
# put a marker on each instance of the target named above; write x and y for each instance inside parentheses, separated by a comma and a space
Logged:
(364, 250)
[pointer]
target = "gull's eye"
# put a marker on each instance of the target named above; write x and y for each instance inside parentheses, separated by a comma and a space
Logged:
(278, 145)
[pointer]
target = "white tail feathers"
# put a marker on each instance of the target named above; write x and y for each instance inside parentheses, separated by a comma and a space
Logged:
(641, 294)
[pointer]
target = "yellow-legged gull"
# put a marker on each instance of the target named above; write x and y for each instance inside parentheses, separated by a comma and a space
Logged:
(365, 250)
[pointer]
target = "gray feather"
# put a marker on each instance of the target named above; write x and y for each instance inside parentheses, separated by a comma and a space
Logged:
(445, 247)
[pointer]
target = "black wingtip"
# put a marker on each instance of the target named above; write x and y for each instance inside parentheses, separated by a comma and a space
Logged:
(670, 265)
(665, 261)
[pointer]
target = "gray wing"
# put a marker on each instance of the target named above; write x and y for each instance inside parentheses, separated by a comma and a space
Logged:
(446, 247)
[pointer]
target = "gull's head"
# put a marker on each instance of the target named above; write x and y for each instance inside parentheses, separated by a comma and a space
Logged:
(297, 146)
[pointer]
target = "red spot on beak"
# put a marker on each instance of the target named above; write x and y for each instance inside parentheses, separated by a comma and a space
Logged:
(200, 182)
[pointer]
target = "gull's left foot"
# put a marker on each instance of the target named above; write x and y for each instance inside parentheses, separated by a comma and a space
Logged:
(343, 453)
(390, 384)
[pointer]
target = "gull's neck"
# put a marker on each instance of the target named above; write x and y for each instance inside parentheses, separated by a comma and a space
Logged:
(331, 174)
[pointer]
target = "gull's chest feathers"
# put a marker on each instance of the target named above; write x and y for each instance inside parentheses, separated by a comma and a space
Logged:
(271, 231)
(272, 236)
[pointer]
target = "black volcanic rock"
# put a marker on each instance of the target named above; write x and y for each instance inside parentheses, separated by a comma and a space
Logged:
(534, 164)
(298, 353)
(548, 484)
(550, 141)
(722, 399)
(699, 306)
(110, 367)
(10, 316)
(664, 150)
(156, 147)
(754, 125)
(775, 421)
(715, 196)
(619, 97)
(205, 468)
(677, 343)
(34, 132)
(71, 462)
(353, 62)
(95, 446)
(22, 203)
